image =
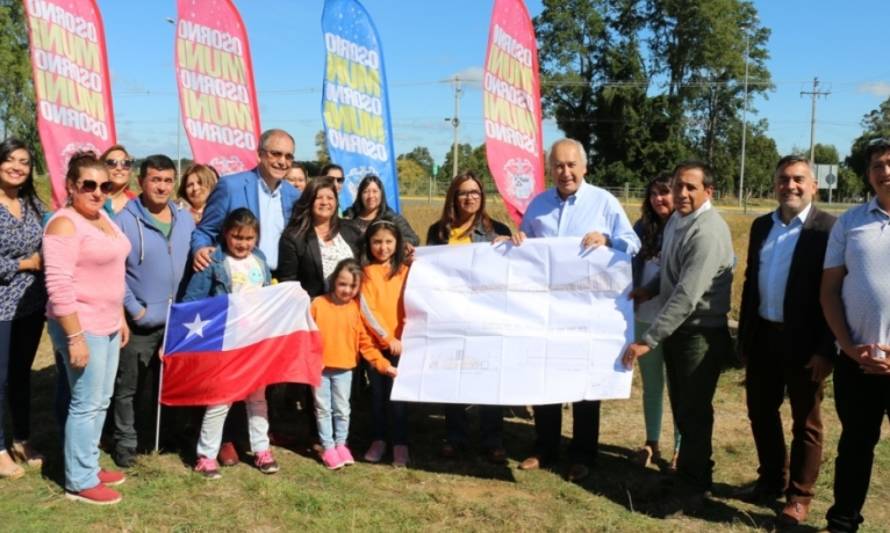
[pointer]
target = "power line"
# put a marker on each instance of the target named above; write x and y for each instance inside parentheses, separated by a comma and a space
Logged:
(815, 93)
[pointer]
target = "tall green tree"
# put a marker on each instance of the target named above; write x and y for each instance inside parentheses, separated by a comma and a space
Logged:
(421, 156)
(321, 149)
(17, 107)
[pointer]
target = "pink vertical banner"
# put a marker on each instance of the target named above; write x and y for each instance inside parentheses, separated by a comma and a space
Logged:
(511, 90)
(72, 84)
(214, 74)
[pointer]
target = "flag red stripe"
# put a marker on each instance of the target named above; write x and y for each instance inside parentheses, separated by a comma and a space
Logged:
(212, 378)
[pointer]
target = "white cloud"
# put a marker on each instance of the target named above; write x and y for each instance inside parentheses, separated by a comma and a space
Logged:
(877, 88)
(469, 75)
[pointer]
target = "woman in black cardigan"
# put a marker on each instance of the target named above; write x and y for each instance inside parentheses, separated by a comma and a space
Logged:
(316, 239)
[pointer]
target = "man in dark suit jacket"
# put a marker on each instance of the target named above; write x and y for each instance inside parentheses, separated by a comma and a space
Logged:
(784, 339)
(255, 189)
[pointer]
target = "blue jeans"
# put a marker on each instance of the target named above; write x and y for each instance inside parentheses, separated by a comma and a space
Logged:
(91, 390)
(332, 406)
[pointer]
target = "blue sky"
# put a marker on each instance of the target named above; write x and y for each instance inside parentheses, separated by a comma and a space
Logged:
(426, 42)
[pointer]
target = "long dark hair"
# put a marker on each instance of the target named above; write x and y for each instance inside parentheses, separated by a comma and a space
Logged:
(27, 191)
(451, 213)
(398, 257)
(358, 207)
(652, 225)
(301, 220)
(241, 218)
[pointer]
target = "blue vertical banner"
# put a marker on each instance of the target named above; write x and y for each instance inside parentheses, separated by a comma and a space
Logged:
(354, 102)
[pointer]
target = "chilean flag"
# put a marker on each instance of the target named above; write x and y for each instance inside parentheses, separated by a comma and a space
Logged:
(220, 349)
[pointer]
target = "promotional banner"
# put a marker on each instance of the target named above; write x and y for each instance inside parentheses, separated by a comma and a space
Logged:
(216, 91)
(536, 324)
(511, 89)
(354, 103)
(72, 86)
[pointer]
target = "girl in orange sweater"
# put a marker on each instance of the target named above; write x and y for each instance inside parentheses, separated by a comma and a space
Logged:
(383, 286)
(343, 337)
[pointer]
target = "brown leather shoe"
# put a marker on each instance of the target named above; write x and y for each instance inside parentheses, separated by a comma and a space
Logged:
(530, 463)
(228, 455)
(577, 472)
(794, 513)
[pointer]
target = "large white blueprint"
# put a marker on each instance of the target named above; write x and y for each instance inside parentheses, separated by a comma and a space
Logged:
(534, 324)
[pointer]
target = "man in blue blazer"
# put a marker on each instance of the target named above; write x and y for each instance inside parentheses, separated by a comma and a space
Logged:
(263, 190)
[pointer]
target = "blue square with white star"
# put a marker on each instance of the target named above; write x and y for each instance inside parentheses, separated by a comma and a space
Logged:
(197, 326)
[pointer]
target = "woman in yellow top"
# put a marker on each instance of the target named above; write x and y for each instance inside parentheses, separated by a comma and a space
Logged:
(464, 221)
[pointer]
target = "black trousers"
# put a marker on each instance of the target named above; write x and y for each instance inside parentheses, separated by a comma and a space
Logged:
(862, 403)
(19, 340)
(585, 432)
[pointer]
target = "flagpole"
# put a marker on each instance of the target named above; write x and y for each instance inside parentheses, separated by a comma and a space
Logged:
(161, 379)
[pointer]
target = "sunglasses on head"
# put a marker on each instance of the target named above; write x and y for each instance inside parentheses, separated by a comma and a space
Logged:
(340, 179)
(119, 163)
(91, 186)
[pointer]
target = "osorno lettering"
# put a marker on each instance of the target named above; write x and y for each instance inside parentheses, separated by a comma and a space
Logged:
(192, 31)
(354, 52)
(57, 15)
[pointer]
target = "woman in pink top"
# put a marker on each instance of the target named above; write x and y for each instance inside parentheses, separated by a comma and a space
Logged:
(84, 254)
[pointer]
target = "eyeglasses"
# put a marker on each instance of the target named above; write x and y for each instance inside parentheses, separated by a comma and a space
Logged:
(879, 141)
(119, 163)
(339, 179)
(469, 194)
(275, 154)
(91, 186)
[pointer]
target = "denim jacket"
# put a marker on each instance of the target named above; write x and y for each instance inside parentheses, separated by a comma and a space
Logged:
(215, 280)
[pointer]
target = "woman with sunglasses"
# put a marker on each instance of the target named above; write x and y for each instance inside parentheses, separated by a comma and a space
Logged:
(370, 205)
(84, 256)
(464, 220)
(119, 163)
(22, 299)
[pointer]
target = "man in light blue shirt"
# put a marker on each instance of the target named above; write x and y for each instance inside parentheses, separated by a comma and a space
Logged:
(784, 340)
(856, 299)
(573, 209)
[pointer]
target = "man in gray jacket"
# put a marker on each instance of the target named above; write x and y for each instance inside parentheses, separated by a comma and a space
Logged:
(694, 289)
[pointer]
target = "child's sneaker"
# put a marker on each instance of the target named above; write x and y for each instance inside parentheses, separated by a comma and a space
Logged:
(376, 451)
(208, 468)
(400, 456)
(332, 459)
(265, 462)
(345, 455)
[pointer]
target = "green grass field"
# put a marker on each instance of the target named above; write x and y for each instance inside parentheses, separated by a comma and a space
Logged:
(435, 495)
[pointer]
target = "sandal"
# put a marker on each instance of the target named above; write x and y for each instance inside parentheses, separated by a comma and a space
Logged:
(22, 452)
(647, 455)
(11, 470)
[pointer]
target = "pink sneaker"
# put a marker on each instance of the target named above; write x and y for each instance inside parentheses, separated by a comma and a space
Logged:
(376, 451)
(208, 468)
(400, 456)
(345, 455)
(265, 462)
(332, 459)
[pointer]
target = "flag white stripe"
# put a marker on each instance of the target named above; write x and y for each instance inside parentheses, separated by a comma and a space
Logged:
(266, 313)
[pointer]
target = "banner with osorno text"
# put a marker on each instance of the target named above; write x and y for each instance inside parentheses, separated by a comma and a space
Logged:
(217, 95)
(355, 102)
(72, 86)
(541, 323)
(511, 90)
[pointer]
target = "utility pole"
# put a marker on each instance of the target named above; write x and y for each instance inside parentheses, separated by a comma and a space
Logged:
(743, 203)
(455, 123)
(814, 94)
